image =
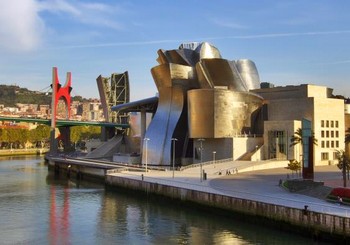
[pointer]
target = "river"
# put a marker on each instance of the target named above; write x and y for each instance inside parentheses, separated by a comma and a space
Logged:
(38, 208)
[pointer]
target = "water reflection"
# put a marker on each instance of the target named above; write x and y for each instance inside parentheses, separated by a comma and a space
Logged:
(37, 207)
(59, 219)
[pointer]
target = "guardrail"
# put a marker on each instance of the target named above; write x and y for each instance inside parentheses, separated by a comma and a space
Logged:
(206, 163)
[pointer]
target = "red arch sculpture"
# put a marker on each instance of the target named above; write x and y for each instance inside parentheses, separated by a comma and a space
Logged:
(58, 91)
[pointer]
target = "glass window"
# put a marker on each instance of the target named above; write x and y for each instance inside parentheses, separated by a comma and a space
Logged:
(327, 144)
(322, 123)
(327, 133)
(324, 156)
(327, 123)
(332, 124)
(335, 155)
(322, 134)
(332, 143)
(332, 134)
(336, 124)
(322, 144)
(337, 134)
(337, 144)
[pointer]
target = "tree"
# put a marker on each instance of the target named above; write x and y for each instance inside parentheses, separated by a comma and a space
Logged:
(4, 138)
(294, 165)
(75, 134)
(347, 137)
(343, 164)
(23, 137)
(13, 136)
(298, 138)
(83, 133)
(40, 134)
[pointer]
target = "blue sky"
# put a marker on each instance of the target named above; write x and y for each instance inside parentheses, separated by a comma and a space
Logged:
(291, 42)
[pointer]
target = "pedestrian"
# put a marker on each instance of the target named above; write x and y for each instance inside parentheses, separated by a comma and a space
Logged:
(340, 200)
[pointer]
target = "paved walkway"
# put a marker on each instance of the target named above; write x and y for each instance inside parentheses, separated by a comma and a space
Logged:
(258, 185)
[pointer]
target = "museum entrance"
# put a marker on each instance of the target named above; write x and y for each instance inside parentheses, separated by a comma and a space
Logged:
(278, 145)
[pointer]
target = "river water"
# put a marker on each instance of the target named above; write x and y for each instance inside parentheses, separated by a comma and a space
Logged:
(38, 208)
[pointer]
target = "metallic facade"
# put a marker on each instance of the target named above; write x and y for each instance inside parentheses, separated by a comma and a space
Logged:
(227, 113)
(201, 95)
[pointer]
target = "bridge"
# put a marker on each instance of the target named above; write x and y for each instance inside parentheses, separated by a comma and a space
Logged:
(64, 123)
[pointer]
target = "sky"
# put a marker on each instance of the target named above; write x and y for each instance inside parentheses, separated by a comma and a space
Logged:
(291, 42)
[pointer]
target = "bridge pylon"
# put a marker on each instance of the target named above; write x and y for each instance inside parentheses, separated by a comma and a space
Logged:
(58, 92)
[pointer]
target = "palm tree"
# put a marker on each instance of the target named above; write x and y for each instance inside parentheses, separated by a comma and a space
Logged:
(343, 164)
(347, 137)
(297, 138)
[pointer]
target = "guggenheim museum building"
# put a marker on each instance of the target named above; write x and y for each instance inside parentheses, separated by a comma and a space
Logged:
(208, 107)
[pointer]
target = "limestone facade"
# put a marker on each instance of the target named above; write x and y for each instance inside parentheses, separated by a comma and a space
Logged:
(287, 105)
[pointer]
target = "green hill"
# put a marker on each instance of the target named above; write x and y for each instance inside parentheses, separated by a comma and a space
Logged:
(10, 95)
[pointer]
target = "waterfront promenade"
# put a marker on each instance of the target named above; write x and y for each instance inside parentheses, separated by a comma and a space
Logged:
(247, 181)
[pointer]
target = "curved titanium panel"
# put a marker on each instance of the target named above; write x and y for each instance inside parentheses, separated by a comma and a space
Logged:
(200, 104)
(218, 103)
(249, 73)
(172, 81)
(207, 51)
(225, 113)
(186, 57)
(219, 72)
(165, 74)
(161, 129)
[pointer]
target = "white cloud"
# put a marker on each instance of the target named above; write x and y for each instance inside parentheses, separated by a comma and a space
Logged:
(228, 24)
(57, 6)
(96, 14)
(20, 26)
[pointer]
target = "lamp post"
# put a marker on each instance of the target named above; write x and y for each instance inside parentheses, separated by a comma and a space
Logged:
(214, 152)
(173, 141)
(146, 155)
(201, 158)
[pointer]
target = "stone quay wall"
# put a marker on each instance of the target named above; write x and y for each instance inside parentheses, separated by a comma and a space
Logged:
(319, 225)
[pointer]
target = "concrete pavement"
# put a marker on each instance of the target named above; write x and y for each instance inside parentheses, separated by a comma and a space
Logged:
(249, 183)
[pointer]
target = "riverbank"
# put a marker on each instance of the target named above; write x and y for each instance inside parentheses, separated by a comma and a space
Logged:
(256, 193)
(21, 152)
(38, 207)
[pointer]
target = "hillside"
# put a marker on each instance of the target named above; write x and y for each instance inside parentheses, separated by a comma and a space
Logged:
(10, 95)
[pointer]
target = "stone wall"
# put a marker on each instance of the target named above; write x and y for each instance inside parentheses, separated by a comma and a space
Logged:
(317, 224)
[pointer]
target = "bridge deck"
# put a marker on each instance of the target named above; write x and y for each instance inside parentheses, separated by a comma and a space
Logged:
(61, 123)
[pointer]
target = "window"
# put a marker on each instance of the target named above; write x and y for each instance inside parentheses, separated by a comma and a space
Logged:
(337, 134)
(332, 134)
(322, 134)
(322, 144)
(327, 123)
(324, 156)
(332, 124)
(278, 145)
(322, 123)
(327, 144)
(337, 144)
(327, 133)
(335, 155)
(332, 144)
(336, 124)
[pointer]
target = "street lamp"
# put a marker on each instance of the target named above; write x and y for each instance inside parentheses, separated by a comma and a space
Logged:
(214, 152)
(201, 151)
(173, 141)
(146, 155)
